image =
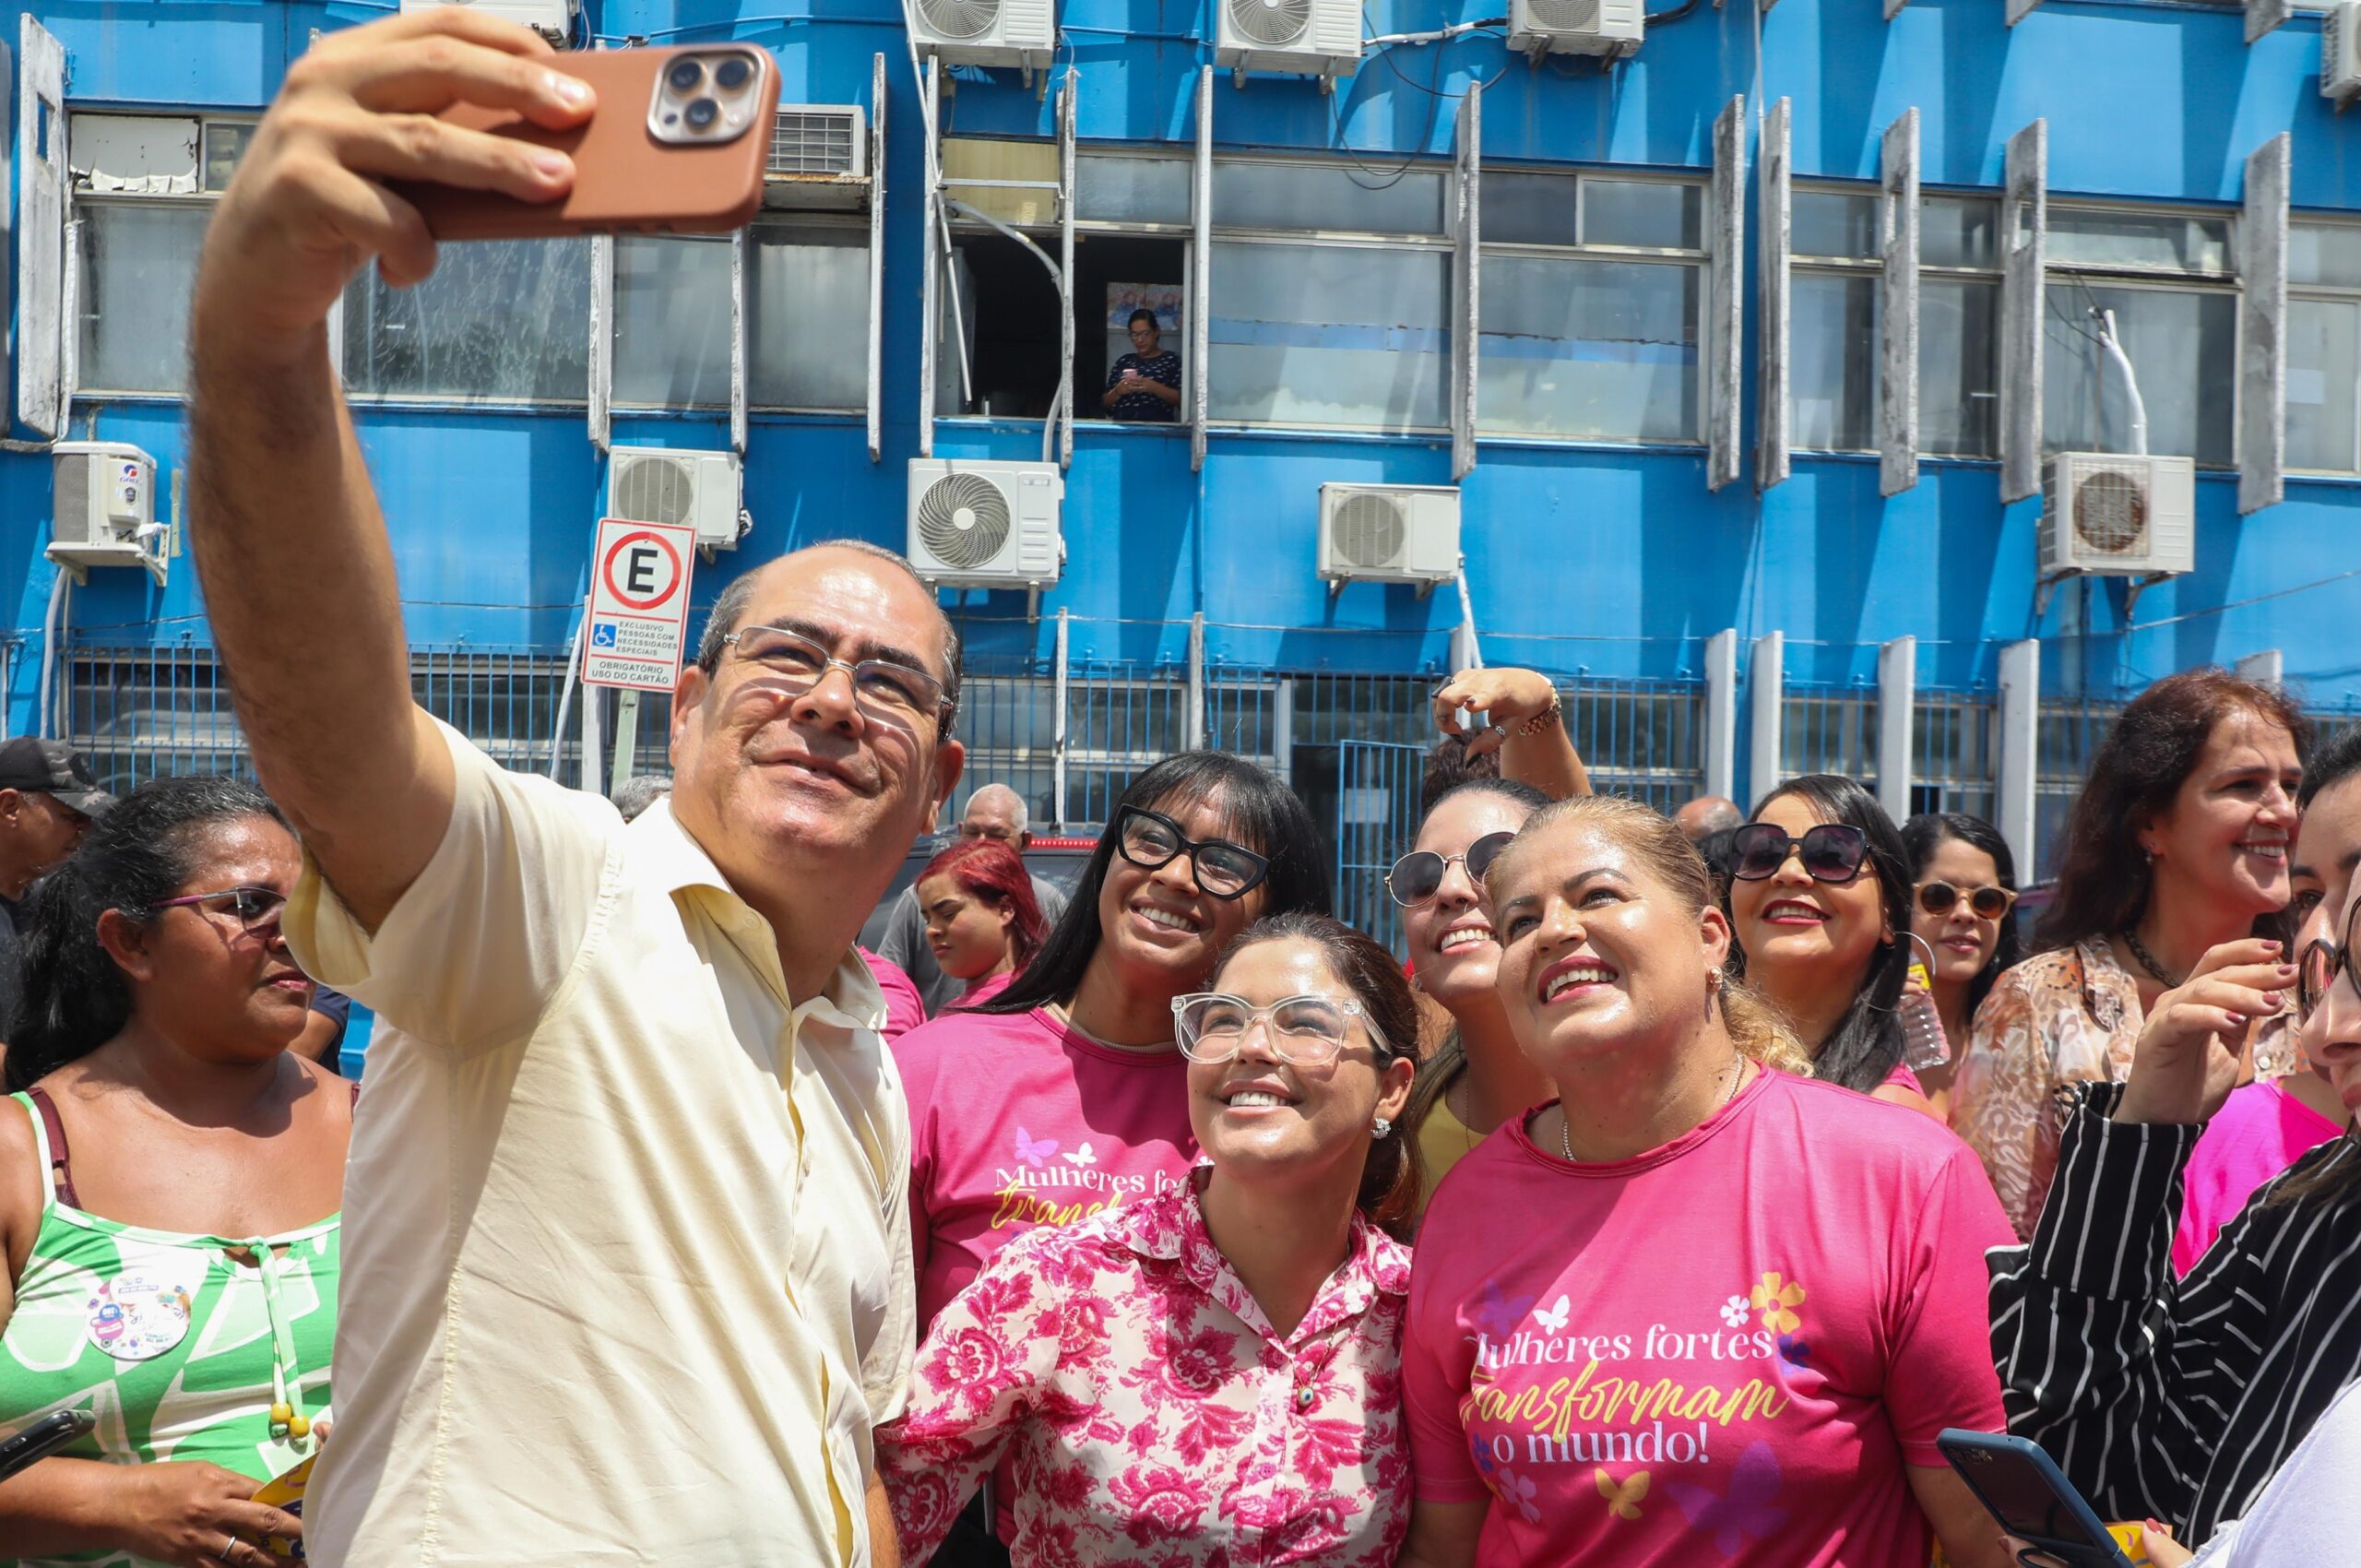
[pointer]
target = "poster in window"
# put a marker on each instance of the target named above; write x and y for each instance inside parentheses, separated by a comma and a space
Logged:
(1122, 299)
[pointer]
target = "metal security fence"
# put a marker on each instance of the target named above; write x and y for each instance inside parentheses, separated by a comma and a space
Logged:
(1829, 732)
(1645, 738)
(1377, 816)
(1954, 753)
(2066, 735)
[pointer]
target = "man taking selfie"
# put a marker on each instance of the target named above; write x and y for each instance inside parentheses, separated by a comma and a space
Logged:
(626, 1274)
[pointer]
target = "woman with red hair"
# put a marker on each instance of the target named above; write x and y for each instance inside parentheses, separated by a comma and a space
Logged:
(983, 922)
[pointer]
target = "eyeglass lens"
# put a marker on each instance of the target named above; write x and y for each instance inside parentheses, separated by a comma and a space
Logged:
(1309, 1028)
(875, 682)
(1989, 903)
(1222, 869)
(1831, 852)
(1418, 876)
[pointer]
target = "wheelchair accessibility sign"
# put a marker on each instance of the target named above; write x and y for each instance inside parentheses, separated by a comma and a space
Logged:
(639, 605)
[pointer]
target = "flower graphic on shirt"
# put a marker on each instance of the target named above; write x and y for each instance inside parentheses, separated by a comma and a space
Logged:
(1775, 1301)
(1735, 1311)
(1519, 1492)
(1795, 1352)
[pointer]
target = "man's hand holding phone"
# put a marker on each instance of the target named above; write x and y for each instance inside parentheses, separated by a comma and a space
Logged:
(310, 203)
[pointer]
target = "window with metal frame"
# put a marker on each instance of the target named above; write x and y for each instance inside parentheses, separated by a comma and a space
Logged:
(2160, 284)
(1133, 206)
(142, 189)
(2324, 342)
(1834, 369)
(806, 327)
(1591, 293)
(499, 321)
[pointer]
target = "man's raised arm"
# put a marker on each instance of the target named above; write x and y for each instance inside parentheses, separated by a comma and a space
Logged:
(290, 544)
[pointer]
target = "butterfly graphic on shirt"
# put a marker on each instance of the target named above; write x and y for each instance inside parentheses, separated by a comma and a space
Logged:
(1497, 1312)
(1553, 1319)
(1745, 1513)
(1081, 1155)
(1033, 1151)
(1624, 1499)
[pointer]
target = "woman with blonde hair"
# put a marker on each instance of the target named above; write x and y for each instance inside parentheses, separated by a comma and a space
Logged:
(1700, 1307)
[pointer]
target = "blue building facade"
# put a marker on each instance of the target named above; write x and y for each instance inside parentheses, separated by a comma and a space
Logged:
(1189, 606)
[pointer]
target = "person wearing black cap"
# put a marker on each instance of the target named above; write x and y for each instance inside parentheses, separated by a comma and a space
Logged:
(48, 796)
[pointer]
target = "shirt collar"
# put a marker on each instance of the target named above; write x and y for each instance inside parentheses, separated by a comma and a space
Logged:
(2108, 991)
(851, 1000)
(1170, 1227)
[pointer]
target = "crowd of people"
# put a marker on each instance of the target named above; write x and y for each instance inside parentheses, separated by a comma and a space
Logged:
(1629, 1221)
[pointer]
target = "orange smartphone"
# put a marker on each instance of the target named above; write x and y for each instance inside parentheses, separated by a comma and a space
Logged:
(677, 145)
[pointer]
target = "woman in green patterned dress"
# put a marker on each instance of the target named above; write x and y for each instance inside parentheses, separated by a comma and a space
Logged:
(170, 1178)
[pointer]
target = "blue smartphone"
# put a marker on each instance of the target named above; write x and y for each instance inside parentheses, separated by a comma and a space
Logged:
(2022, 1487)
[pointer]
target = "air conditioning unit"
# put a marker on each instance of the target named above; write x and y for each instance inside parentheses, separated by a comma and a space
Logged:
(986, 525)
(1576, 27)
(2114, 515)
(557, 21)
(2340, 52)
(819, 156)
(105, 509)
(1309, 37)
(657, 484)
(985, 32)
(1389, 533)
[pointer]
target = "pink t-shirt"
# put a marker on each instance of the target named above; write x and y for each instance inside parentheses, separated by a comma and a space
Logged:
(2260, 1131)
(976, 995)
(1722, 1350)
(905, 1008)
(1017, 1120)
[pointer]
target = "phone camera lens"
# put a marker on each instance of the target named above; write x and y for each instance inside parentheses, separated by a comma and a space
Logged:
(686, 76)
(733, 73)
(701, 113)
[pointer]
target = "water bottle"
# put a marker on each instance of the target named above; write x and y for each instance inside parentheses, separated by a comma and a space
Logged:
(1924, 1044)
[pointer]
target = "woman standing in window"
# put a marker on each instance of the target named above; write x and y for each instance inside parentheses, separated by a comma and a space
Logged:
(983, 922)
(1965, 888)
(1210, 1374)
(1085, 1104)
(1698, 1309)
(171, 1175)
(1145, 384)
(1819, 903)
(2177, 843)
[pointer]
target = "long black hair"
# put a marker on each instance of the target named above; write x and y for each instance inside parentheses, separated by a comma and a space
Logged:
(139, 851)
(1867, 1045)
(1922, 835)
(1259, 812)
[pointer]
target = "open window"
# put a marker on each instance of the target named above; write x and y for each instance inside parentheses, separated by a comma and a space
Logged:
(1001, 330)
(1131, 254)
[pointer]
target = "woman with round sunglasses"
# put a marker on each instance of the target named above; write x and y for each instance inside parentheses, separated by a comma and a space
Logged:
(1696, 1309)
(1065, 1094)
(173, 1174)
(2173, 1398)
(2177, 843)
(1211, 1372)
(1964, 887)
(1818, 902)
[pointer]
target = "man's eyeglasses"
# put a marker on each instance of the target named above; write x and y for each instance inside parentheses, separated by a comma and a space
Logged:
(1304, 1031)
(1223, 869)
(252, 907)
(880, 686)
(1418, 876)
(2318, 969)
(1939, 898)
(1832, 852)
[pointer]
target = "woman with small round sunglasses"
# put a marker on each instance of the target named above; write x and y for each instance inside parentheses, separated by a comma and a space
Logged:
(982, 922)
(2177, 843)
(1696, 1309)
(1210, 1374)
(1066, 1094)
(1819, 903)
(1964, 887)
(170, 1179)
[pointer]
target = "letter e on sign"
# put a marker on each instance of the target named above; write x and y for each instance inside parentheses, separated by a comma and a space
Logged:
(636, 624)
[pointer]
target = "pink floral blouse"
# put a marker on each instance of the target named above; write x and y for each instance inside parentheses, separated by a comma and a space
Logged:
(1152, 1415)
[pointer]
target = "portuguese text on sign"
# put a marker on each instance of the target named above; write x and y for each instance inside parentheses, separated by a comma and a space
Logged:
(638, 624)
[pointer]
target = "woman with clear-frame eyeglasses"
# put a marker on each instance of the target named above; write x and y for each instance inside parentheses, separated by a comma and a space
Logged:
(1214, 1366)
(1066, 1094)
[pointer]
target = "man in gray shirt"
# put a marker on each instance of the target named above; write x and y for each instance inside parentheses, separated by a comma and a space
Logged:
(993, 812)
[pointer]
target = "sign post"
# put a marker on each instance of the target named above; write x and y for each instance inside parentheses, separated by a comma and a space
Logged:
(639, 605)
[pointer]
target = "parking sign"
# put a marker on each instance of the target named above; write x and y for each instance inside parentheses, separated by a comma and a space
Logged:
(639, 605)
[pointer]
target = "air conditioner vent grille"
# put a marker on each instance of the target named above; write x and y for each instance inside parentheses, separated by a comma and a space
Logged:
(1370, 530)
(1563, 16)
(655, 489)
(959, 18)
(809, 143)
(963, 520)
(2111, 513)
(1271, 21)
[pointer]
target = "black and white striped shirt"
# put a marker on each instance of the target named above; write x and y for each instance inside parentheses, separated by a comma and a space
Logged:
(2163, 1398)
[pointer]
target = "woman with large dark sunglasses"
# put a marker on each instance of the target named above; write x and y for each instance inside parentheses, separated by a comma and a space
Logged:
(2174, 1398)
(1819, 901)
(1065, 1094)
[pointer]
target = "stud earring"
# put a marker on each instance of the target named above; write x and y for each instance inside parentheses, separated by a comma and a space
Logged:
(1380, 1127)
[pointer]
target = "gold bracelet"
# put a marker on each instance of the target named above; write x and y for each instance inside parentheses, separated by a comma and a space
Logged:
(1546, 717)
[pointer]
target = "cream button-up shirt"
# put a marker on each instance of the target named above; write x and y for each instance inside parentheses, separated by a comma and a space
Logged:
(626, 1262)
